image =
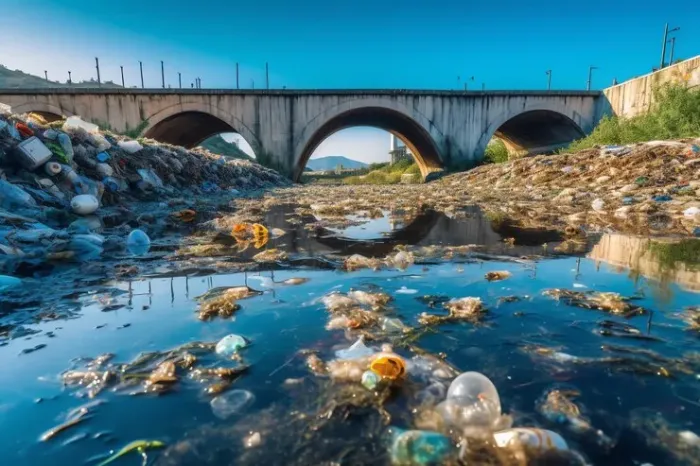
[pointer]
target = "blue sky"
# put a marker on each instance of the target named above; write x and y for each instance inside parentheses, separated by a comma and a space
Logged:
(358, 44)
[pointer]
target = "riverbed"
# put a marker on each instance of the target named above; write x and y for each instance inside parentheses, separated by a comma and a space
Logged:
(630, 368)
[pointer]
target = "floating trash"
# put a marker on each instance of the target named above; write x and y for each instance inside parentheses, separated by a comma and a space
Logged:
(230, 403)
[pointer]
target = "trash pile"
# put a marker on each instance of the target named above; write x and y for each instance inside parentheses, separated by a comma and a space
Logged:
(647, 188)
(68, 173)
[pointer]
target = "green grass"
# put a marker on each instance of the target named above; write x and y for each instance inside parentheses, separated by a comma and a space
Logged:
(668, 254)
(496, 152)
(674, 114)
(386, 173)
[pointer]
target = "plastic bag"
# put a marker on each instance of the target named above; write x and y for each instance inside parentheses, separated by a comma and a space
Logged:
(66, 145)
(130, 147)
(76, 122)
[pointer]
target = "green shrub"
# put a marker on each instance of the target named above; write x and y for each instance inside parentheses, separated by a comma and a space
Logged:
(674, 114)
(496, 152)
(414, 169)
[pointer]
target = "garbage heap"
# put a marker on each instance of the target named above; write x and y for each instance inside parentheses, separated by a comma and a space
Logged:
(59, 174)
(650, 187)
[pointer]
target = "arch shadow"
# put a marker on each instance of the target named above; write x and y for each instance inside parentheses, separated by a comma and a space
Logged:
(411, 133)
(535, 129)
(47, 111)
(196, 124)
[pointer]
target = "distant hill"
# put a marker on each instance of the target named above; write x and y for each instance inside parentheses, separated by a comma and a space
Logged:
(218, 145)
(330, 163)
(17, 79)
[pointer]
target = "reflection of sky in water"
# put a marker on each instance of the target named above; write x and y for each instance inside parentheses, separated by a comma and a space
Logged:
(371, 228)
(288, 318)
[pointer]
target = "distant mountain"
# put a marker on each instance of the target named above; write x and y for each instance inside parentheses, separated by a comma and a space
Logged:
(219, 145)
(17, 79)
(330, 163)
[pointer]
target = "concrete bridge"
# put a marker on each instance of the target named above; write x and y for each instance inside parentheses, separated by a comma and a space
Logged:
(284, 127)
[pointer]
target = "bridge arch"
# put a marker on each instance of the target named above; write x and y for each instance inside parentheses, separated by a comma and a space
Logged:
(534, 128)
(189, 124)
(409, 126)
(48, 111)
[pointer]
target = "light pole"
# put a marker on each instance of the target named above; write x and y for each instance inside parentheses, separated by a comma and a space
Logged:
(70, 80)
(590, 76)
(121, 67)
(46, 73)
(141, 68)
(97, 67)
(672, 40)
(179, 79)
(237, 86)
(549, 80)
(162, 73)
(663, 46)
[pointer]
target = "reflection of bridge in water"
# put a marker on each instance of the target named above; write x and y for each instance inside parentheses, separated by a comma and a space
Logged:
(428, 227)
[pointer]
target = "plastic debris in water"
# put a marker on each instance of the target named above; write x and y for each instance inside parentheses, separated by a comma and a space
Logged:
(389, 366)
(472, 400)
(139, 446)
(402, 260)
(230, 403)
(253, 440)
(419, 447)
(404, 290)
(230, 344)
(691, 212)
(370, 380)
(392, 325)
(497, 276)
(540, 440)
(138, 242)
(356, 351)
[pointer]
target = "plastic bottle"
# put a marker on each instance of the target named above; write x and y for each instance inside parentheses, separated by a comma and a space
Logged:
(104, 170)
(370, 380)
(230, 344)
(84, 204)
(474, 387)
(12, 196)
(66, 145)
(420, 447)
(138, 242)
(111, 184)
(52, 168)
(536, 439)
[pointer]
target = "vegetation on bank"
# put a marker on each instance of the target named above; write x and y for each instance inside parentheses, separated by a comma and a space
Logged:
(386, 173)
(375, 173)
(674, 114)
(218, 145)
(496, 152)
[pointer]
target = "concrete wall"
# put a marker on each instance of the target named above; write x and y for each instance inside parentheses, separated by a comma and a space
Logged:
(283, 126)
(633, 97)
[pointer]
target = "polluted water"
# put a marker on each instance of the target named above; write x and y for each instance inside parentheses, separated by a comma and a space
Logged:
(397, 338)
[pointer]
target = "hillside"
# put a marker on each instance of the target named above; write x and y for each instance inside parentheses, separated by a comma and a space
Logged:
(218, 145)
(16, 79)
(330, 163)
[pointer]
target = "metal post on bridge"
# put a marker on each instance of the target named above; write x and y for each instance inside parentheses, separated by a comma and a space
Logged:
(141, 68)
(267, 76)
(162, 73)
(70, 80)
(672, 40)
(97, 67)
(549, 80)
(46, 75)
(237, 86)
(590, 76)
(179, 79)
(121, 68)
(663, 45)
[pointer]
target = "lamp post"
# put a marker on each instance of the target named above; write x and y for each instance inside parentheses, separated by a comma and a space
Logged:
(141, 68)
(672, 40)
(121, 67)
(663, 46)
(590, 76)
(70, 80)
(549, 80)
